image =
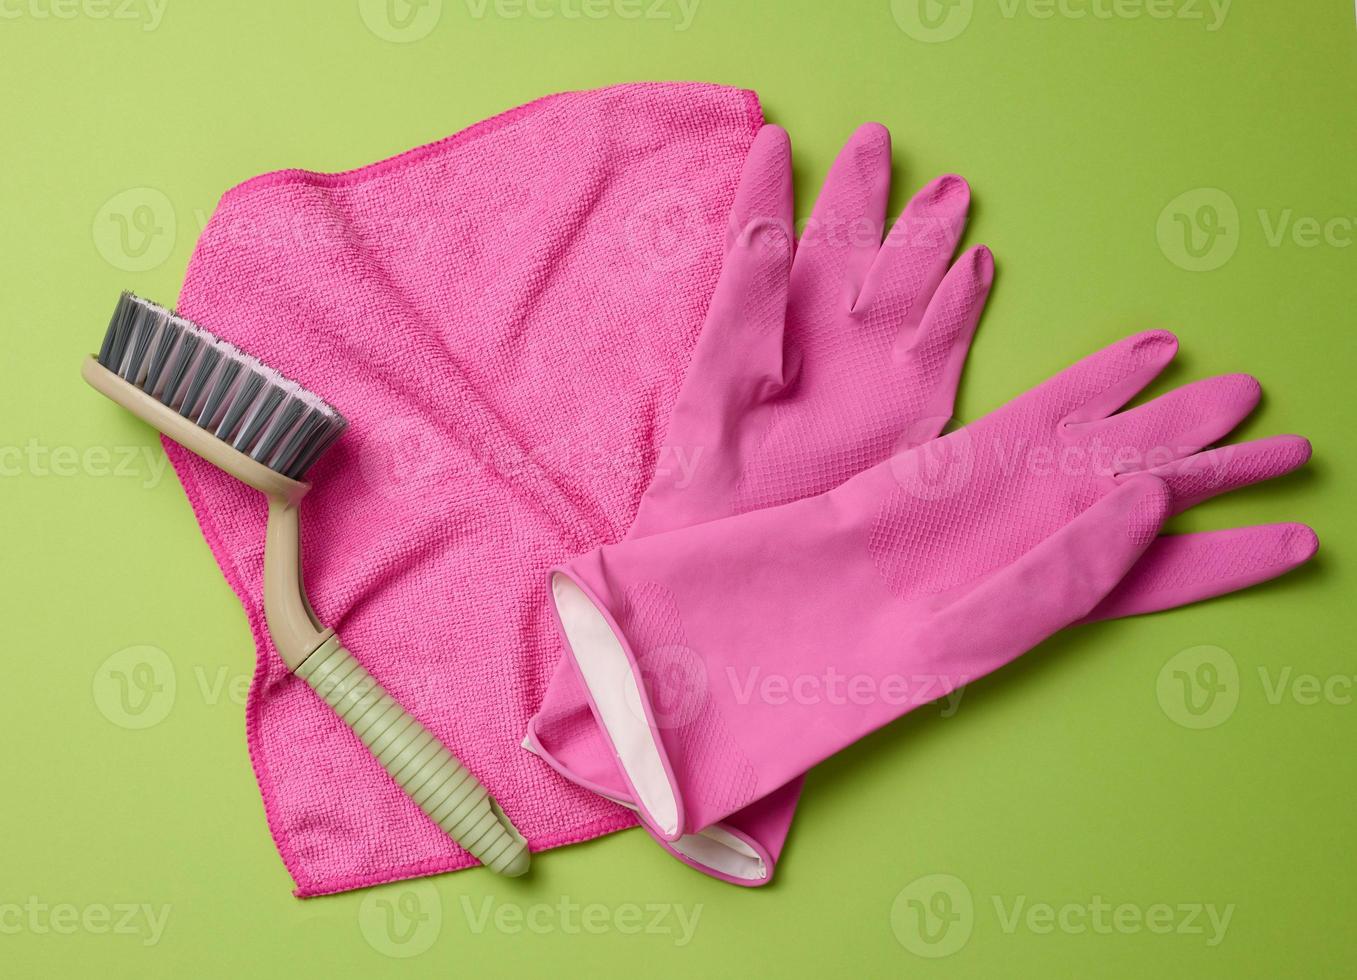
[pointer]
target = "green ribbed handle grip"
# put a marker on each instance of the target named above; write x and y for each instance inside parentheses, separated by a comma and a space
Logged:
(422, 766)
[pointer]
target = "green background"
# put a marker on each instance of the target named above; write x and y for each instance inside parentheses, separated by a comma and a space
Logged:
(1062, 779)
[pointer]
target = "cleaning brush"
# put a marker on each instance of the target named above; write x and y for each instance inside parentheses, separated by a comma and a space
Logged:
(266, 431)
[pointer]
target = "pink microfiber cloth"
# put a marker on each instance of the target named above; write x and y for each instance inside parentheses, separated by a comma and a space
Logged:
(505, 318)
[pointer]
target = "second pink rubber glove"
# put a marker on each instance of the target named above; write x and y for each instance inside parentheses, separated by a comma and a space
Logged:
(943, 563)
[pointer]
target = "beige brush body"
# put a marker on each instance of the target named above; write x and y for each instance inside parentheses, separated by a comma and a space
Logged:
(419, 763)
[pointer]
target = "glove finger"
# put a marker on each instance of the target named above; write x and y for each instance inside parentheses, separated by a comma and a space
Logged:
(1205, 475)
(937, 349)
(741, 343)
(843, 236)
(1103, 382)
(912, 262)
(1180, 569)
(763, 199)
(1056, 583)
(1172, 426)
(742, 849)
(564, 734)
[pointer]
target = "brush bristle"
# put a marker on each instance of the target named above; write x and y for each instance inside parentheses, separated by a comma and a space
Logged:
(219, 387)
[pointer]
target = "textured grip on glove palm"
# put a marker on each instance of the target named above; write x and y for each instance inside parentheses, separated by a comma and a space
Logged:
(817, 360)
(943, 563)
(419, 763)
(802, 378)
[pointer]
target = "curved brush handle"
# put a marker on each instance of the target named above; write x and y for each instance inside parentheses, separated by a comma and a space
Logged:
(422, 766)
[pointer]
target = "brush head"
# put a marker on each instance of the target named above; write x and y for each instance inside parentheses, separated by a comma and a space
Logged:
(219, 387)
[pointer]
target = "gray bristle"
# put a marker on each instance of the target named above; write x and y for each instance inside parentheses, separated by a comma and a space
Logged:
(219, 387)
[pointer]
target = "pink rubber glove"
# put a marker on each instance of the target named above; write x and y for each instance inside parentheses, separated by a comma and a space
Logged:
(745, 338)
(940, 564)
(807, 371)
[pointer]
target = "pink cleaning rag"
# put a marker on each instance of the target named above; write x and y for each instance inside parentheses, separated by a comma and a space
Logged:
(505, 318)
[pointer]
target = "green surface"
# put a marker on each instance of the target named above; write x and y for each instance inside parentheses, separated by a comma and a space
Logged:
(1065, 781)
